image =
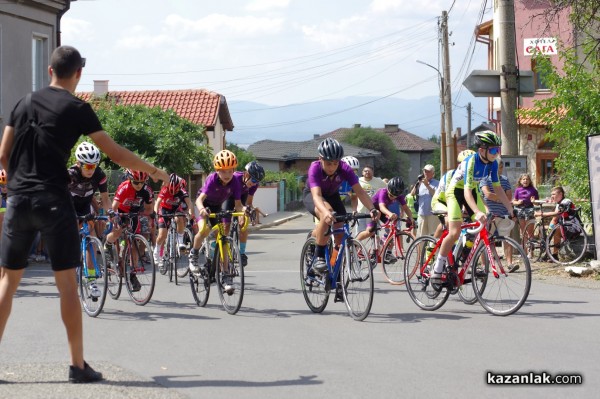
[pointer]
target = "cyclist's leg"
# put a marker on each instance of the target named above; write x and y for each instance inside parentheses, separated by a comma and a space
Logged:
(455, 201)
(320, 264)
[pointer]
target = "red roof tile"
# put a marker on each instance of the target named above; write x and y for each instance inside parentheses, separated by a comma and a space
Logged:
(201, 107)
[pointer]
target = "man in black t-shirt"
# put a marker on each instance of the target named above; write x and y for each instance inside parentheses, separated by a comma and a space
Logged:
(34, 152)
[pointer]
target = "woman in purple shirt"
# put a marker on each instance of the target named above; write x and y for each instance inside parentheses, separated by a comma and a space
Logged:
(322, 198)
(382, 199)
(523, 198)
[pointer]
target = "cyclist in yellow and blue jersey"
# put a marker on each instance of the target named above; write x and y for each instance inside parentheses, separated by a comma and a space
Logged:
(462, 190)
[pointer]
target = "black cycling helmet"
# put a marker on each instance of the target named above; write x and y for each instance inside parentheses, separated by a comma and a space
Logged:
(396, 186)
(255, 171)
(487, 139)
(331, 150)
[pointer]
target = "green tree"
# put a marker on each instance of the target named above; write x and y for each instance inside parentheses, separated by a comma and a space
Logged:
(243, 156)
(391, 162)
(571, 114)
(161, 137)
(436, 156)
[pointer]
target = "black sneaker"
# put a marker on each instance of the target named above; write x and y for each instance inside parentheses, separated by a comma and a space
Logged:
(244, 258)
(135, 283)
(339, 295)
(320, 266)
(87, 374)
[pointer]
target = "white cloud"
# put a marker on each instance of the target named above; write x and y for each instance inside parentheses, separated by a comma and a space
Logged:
(79, 28)
(176, 30)
(263, 5)
(333, 34)
(422, 7)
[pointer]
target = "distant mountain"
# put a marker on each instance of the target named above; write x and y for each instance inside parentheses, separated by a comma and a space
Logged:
(298, 122)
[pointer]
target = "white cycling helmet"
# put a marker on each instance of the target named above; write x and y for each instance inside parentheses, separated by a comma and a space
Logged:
(353, 162)
(87, 153)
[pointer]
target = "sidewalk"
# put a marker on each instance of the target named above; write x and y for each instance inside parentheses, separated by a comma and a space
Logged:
(277, 218)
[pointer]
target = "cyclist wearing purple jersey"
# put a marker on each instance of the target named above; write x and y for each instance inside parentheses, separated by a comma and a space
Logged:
(218, 187)
(322, 198)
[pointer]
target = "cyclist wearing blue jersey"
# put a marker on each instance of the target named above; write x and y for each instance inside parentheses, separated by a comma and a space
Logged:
(462, 190)
(322, 198)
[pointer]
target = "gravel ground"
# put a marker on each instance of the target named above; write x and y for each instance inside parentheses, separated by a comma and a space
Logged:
(552, 273)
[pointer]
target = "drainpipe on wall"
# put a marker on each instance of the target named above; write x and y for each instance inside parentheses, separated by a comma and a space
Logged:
(58, 18)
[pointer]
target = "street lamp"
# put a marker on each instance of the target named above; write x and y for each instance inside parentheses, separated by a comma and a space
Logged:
(444, 149)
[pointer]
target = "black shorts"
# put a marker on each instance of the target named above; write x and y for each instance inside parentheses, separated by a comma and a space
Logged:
(51, 214)
(334, 200)
(216, 208)
(230, 203)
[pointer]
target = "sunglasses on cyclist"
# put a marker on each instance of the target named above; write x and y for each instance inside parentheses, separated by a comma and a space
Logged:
(494, 150)
(253, 180)
(138, 182)
(88, 166)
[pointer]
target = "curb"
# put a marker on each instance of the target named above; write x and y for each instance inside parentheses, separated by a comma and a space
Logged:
(276, 222)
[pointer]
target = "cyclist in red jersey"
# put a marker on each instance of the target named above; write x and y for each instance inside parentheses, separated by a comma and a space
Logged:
(169, 201)
(131, 197)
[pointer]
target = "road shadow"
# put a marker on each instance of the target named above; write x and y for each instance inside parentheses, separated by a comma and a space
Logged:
(177, 382)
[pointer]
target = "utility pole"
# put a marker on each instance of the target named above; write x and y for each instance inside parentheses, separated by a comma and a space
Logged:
(450, 156)
(508, 76)
(469, 134)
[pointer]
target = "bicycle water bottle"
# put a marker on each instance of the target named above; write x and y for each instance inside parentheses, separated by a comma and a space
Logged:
(334, 254)
(459, 245)
(211, 251)
(467, 246)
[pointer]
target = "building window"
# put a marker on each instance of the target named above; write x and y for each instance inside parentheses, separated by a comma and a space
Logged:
(538, 77)
(39, 62)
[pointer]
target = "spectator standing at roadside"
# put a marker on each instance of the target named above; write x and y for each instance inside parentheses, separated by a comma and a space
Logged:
(524, 195)
(42, 129)
(370, 184)
(424, 190)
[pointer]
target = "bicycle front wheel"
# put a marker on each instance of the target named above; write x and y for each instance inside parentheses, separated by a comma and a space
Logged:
(418, 266)
(393, 255)
(357, 281)
(533, 240)
(475, 270)
(502, 283)
(140, 271)
(182, 261)
(567, 248)
(93, 277)
(314, 287)
(230, 277)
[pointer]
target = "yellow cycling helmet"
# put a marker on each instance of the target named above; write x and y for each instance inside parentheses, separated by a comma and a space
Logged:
(463, 155)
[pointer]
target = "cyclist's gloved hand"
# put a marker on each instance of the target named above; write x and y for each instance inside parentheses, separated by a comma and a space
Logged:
(374, 214)
(409, 223)
(111, 213)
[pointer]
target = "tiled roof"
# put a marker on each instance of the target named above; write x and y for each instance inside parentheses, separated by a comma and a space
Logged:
(403, 140)
(295, 150)
(535, 122)
(201, 107)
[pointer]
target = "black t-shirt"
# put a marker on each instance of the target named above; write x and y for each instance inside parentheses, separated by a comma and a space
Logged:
(40, 163)
(82, 188)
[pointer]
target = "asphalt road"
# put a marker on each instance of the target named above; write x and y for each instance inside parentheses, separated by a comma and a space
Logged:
(276, 347)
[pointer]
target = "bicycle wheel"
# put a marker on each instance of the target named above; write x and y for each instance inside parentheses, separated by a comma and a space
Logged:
(357, 281)
(370, 246)
(568, 248)
(314, 287)
(533, 240)
(165, 257)
(498, 290)
(465, 291)
(418, 265)
(95, 274)
(231, 275)
(182, 261)
(114, 273)
(393, 255)
(140, 272)
(200, 282)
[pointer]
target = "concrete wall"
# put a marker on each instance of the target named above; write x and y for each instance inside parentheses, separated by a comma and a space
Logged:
(266, 198)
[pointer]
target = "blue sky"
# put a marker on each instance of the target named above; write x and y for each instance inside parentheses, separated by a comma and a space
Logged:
(275, 52)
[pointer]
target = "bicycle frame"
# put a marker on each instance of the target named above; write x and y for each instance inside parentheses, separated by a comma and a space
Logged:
(84, 233)
(393, 234)
(223, 247)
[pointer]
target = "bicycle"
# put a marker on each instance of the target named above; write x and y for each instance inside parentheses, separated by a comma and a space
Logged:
(222, 266)
(350, 276)
(175, 258)
(534, 234)
(498, 292)
(131, 258)
(92, 272)
(392, 245)
(564, 244)
(235, 228)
